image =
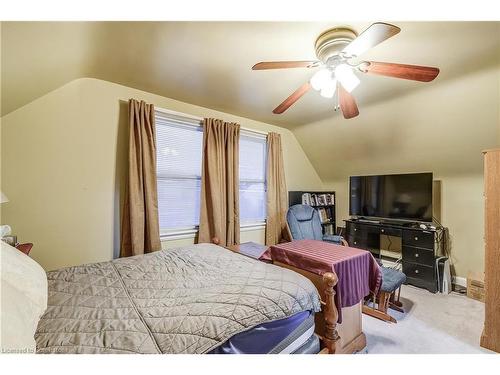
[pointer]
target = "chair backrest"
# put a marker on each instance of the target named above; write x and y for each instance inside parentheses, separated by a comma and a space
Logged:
(304, 223)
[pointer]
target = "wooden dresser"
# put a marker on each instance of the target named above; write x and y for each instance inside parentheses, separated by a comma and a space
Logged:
(491, 333)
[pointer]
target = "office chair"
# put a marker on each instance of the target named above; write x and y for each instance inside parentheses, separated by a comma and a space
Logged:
(305, 224)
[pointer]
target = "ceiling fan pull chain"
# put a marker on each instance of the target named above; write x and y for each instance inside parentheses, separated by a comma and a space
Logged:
(336, 106)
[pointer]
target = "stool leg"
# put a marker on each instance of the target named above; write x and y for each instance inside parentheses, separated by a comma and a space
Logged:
(383, 300)
(397, 302)
(380, 312)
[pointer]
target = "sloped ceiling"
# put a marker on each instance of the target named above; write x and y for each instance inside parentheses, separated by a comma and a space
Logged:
(208, 63)
(442, 129)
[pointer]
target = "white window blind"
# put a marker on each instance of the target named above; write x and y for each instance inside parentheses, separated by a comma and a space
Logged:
(252, 179)
(179, 152)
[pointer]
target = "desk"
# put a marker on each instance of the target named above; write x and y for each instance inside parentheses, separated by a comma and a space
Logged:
(420, 248)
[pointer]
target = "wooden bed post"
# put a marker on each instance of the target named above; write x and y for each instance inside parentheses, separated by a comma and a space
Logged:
(330, 311)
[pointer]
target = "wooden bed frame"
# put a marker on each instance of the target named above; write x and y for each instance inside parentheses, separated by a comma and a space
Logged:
(344, 338)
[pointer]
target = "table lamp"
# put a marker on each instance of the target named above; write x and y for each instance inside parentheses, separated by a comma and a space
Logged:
(3, 198)
(4, 229)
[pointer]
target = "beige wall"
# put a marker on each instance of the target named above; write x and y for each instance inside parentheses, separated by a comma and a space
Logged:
(63, 166)
(441, 128)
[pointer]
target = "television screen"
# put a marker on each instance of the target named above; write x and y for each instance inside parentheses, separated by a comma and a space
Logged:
(397, 196)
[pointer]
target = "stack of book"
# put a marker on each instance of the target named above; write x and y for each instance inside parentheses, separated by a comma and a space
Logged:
(325, 215)
(318, 199)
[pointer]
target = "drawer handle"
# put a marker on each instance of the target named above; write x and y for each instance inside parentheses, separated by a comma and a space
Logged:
(416, 271)
(382, 230)
(355, 229)
(355, 243)
(416, 255)
(416, 238)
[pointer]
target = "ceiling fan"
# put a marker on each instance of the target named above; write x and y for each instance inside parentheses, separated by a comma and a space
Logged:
(335, 49)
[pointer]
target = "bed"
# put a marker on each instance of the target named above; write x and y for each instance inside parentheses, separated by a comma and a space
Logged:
(195, 299)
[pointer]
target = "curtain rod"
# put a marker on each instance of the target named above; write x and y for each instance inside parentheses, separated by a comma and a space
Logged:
(170, 112)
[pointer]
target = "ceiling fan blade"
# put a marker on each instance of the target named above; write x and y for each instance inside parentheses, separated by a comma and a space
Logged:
(292, 98)
(347, 103)
(375, 34)
(284, 65)
(413, 72)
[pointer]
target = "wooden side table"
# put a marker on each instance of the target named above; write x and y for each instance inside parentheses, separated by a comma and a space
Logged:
(24, 247)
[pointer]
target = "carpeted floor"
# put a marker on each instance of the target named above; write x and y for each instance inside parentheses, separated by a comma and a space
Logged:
(432, 323)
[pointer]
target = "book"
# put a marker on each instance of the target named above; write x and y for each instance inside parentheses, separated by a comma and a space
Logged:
(329, 200)
(252, 249)
(306, 199)
(320, 200)
(323, 215)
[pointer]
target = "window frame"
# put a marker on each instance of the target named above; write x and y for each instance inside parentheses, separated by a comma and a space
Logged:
(261, 223)
(185, 120)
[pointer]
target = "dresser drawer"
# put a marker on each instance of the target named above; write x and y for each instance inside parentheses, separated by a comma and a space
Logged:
(356, 240)
(418, 271)
(418, 255)
(430, 285)
(391, 232)
(353, 228)
(418, 239)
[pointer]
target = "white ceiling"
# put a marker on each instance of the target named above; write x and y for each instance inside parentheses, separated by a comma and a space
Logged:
(209, 63)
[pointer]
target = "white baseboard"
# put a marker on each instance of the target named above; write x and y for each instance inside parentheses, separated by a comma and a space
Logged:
(458, 280)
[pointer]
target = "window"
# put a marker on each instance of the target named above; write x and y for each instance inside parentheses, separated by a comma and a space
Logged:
(179, 150)
(179, 144)
(252, 178)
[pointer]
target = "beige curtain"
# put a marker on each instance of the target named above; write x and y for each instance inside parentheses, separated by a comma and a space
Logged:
(277, 203)
(219, 215)
(140, 228)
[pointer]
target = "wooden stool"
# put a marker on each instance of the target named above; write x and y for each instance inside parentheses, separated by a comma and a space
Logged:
(391, 283)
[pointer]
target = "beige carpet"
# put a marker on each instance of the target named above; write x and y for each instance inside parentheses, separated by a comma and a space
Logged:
(432, 323)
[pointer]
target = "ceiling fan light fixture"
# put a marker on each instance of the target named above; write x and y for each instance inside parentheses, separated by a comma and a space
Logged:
(346, 77)
(329, 90)
(321, 79)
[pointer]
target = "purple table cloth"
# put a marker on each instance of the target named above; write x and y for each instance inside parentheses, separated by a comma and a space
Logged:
(357, 271)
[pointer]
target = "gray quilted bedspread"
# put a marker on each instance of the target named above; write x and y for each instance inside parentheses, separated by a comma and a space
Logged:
(184, 300)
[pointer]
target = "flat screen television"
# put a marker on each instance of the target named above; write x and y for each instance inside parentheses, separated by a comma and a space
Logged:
(396, 196)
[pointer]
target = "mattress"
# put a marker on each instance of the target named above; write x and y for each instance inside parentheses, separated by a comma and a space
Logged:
(281, 336)
(311, 346)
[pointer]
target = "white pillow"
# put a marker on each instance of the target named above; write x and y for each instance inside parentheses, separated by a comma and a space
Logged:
(23, 300)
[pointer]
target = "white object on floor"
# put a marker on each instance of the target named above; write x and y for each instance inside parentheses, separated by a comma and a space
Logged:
(444, 278)
(432, 323)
